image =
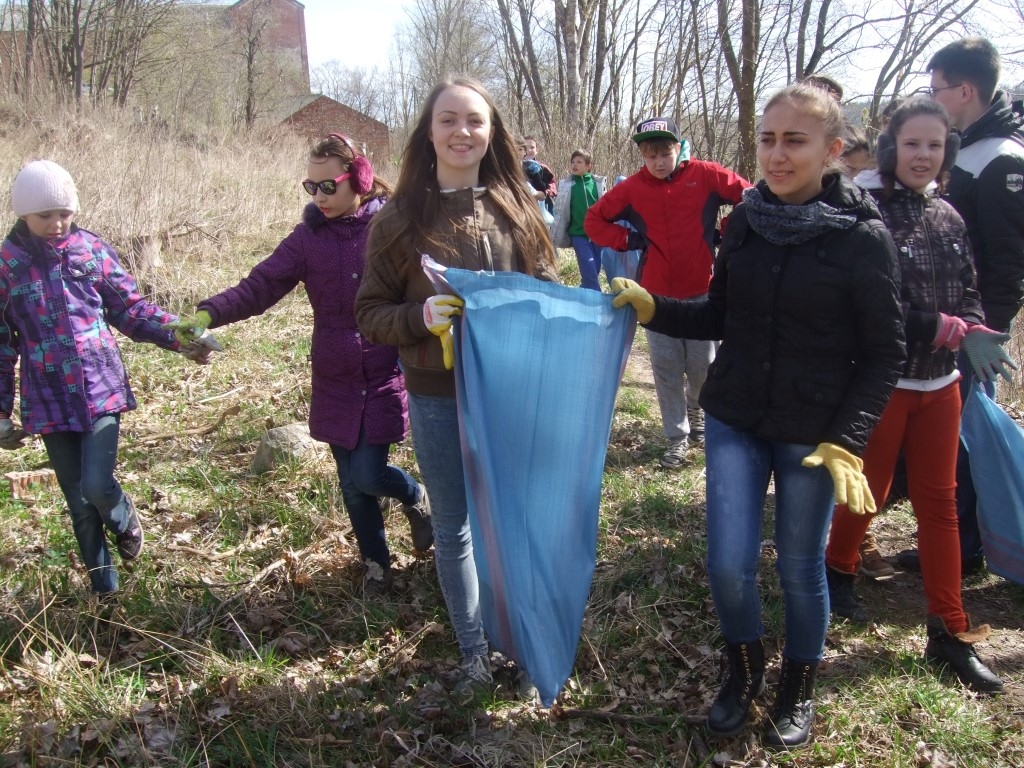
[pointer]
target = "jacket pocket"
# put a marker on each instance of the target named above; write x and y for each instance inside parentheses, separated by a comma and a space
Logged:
(820, 393)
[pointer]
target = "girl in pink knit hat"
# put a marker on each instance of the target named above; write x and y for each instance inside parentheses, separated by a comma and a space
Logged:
(62, 291)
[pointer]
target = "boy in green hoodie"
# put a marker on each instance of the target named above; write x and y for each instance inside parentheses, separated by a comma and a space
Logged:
(575, 196)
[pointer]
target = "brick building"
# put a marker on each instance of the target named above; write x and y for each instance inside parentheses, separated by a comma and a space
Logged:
(316, 115)
(312, 115)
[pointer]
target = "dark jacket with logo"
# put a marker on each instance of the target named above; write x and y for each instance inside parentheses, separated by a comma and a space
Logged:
(812, 334)
(986, 186)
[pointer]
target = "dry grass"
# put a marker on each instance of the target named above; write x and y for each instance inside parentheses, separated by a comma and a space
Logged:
(205, 201)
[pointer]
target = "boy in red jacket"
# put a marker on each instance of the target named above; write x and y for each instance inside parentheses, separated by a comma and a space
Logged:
(672, 202)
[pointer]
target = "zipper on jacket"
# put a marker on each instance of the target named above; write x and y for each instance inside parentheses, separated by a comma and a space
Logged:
(488, 257)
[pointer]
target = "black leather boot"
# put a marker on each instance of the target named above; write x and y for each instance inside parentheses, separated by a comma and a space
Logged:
(842, 599)
(957, 652)
(790, 721)
(744, 680)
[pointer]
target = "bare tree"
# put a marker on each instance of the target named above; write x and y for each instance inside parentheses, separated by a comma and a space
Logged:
(446, 37)
(252, 27)
(18, 17)
(356, 87)
(268, 75)
(741, 63)
(117, 45)
(570, 62)
(90, 47)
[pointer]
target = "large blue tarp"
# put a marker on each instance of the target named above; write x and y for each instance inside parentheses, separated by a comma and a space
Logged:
(537, 366)
(996, 445)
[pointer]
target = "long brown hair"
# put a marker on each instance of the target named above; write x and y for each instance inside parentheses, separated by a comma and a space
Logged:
(340, 146)
(501, 172)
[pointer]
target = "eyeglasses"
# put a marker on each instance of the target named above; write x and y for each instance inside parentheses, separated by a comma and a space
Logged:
(328, 187)
(932, 90)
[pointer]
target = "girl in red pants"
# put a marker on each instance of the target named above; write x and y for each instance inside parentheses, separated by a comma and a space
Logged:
(922, 419)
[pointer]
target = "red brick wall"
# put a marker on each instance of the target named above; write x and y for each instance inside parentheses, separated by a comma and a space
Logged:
(324, 115)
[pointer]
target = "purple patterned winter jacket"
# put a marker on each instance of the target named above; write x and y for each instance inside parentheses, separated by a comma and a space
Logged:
(60, 299)
(357, 385)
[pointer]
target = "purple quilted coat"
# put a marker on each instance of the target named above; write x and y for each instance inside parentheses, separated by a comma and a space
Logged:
(356, 384)
(61, 300)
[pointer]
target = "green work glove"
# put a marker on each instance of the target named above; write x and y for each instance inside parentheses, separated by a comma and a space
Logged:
(984, 348)
(851, 487)
(189, 329)
(630, 292)
(437, 316)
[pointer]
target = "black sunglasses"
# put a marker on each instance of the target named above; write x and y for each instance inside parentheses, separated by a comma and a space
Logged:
(328, 187)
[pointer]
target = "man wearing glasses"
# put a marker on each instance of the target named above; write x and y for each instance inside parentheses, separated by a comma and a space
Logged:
(987, 188)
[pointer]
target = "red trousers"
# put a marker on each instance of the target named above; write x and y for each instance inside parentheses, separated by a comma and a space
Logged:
(926, 426)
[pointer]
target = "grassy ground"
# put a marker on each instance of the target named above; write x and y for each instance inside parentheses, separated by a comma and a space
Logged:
(240, 637)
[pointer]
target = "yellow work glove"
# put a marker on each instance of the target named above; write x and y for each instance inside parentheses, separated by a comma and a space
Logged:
(851, 487)
(188, 329)
(437, 316)
(630, 292)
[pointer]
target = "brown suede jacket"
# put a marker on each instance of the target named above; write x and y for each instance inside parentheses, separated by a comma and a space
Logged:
(389, 303)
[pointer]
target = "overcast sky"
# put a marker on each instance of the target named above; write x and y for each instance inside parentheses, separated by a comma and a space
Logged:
(356, 33)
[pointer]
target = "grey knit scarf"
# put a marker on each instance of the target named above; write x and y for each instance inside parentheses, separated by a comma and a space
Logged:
(792, 224)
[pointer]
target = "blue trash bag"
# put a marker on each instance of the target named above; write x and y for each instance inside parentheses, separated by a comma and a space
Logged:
(620, 263)
(996, 445)
(537, 367)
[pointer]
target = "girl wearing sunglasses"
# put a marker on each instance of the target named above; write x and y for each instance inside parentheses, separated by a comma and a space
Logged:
(358, 404)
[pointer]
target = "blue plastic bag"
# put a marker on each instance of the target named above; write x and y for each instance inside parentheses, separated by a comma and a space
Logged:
(996, 444)
(623, 263)
(537, 366)
(620, 263)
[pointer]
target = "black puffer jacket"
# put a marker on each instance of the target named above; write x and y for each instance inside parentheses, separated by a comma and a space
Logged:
(812, 334)
(986, 186)
(936, 271)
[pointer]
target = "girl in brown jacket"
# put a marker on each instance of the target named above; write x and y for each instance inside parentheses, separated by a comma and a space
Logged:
(461, 198)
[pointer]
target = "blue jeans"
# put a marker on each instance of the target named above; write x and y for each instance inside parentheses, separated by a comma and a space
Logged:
(739, 466)
(435, 435)
(588, 257)
(84, 463)
(966, 496)
(365, 475)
